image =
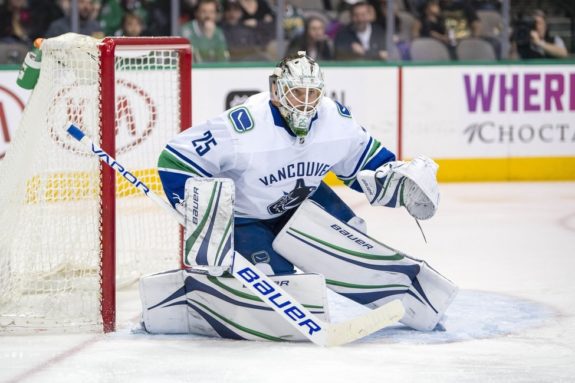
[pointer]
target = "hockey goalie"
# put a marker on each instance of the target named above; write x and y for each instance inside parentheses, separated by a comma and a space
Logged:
(249, 183)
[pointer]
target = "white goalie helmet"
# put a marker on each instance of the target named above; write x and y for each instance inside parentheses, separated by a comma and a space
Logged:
(296, 88)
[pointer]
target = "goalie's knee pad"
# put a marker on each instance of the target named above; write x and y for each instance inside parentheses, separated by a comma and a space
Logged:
(362, 268)
(192, 302)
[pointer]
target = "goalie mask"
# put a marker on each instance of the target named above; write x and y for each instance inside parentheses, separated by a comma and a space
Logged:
(296, 88)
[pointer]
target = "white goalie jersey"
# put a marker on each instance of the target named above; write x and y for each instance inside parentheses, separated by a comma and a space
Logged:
(273, 170)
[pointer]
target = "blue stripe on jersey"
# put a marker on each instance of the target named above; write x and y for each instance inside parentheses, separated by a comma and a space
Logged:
(361, 159)
(188, 161)
(279, 120)
(382, 156)
(315, 116)
(174, 185)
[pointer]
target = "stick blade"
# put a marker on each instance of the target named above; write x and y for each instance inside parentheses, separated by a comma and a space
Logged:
(353, 329)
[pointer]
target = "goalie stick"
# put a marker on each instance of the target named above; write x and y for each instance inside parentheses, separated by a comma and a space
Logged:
(316, 330)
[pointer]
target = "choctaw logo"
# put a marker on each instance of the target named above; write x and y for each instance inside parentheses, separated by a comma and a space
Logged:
(136, 115)
(11, 107)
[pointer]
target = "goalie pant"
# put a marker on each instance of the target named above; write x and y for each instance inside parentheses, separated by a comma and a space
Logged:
(363, 269)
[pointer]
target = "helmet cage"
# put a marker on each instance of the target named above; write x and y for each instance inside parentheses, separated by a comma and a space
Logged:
(299, 87)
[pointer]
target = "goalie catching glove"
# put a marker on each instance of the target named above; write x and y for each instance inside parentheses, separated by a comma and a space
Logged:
(411, 184)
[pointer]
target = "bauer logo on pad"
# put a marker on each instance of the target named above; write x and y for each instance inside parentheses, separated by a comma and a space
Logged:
(241, 119)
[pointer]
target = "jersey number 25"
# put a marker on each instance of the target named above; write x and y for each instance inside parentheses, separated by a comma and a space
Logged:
(202, 144)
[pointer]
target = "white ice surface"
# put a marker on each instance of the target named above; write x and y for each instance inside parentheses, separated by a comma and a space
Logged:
(509, 246)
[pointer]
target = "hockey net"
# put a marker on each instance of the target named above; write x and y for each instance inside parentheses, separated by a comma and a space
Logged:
(68, 236)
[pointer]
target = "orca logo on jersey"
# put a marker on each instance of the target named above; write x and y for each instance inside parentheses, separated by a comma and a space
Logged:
(292, 199)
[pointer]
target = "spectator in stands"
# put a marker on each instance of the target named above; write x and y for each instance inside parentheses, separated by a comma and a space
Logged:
(187, 8)
(313, 40)
(158, 22)
(380, 7)
(43, 13)
(111, 15)
(244, 43)
(293, 21)
(432, 23)
(97, 7)
(86, 26)
(256, 12)
(132, 25)
(461, 20)
(361, 39)
(531, 39)
(401, 45)
(139, 7)
(15, 22)
(491, 5)
(207, 39)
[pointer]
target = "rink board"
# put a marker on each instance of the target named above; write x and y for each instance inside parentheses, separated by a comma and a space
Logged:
(480, 122)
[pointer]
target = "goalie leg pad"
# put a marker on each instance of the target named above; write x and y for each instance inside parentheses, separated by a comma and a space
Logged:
(193, 302)
(209, 223)
(362, 268)
(427, 299)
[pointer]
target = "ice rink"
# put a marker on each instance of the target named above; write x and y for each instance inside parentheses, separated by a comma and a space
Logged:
(509, 246)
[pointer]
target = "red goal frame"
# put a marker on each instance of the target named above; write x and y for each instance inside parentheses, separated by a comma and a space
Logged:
(108, 47)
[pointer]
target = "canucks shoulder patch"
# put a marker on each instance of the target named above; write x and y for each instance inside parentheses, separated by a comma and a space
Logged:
(241, 119)
(343, 110)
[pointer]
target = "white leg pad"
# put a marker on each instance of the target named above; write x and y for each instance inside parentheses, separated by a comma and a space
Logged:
(209, 223)
(192, 302)
(363, 269)
(428, 297)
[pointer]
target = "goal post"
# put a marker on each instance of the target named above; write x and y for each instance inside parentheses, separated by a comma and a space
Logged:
(108, 49)
(71, 232)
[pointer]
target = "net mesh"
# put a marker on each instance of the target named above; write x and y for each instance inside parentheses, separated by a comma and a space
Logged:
(50, 238)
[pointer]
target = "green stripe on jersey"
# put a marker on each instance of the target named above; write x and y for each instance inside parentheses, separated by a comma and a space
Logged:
(170, 162)
(376, 145)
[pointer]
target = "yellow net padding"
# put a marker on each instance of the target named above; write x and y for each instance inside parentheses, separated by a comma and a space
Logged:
(78, 186)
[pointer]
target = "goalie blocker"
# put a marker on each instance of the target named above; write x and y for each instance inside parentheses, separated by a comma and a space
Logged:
(363, 269)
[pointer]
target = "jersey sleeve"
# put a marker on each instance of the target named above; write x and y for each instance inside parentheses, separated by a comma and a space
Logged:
(203, 151)
(365, 152)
